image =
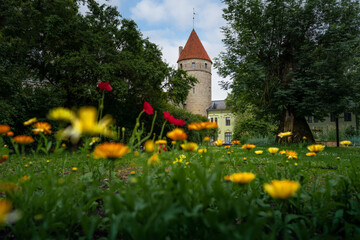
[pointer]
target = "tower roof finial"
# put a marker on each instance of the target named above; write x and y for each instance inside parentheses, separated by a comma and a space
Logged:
(193, 18)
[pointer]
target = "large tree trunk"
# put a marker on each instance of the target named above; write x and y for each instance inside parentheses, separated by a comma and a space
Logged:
(297, 125)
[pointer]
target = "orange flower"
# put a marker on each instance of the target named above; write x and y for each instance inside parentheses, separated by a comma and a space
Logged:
(202, 125)
(248, 146)
(43, 127)
(206, 138)
(241, 177)
(228, 146)
(3, 158)
(23, 139)
(310, 154)
(236, 142)
(291, 154)
(110, 150)
(177, 134)
(153, 160)
(5, 209)
(281, 189)
(10, 133)
(4, 129)
(218, 142)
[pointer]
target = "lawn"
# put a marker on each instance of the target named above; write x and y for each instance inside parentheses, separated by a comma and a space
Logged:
(70, 195)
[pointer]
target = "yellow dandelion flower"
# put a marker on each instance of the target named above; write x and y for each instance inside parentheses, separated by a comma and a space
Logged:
(189, 146)
(241, 177)
(153, 160)
(158, 142)
(282, 189)
(61, 114)
(345, 143)
(259, 152)
(74, 169)
(316, 148)
(30, 121)
(284, 134)
(206, 138)
(202, 150)
(273, 150)
(310, 154)
(248, 146)
(149, 146)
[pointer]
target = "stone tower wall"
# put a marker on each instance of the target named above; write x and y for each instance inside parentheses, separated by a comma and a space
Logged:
(199, 97)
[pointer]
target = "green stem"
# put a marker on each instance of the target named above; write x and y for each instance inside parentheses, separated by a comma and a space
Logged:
(23, 149)
(133, 135)
(149, 135)
(162, 129)
(101, 105)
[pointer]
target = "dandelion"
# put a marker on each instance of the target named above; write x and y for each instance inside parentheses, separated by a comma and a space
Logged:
(206, 138)
(136, 154)
(259, 152)
(10, 134)
(295, 164)
(218, 142)
(158, 142)
(190, 146)
(149, 146)
(304, 138)
(241, 177)
(244, 158)
(345, 143)
(316, 148)
(338, 158)
(153, 160)
(132, 172)
(47, 161)
(282, 152)
(177, 134)
(61, 114)
(226, 147)
(23, 139)
(235, 142)
(74, 169)
(30, 121)
(310, 154)
(202, 150)
(86, 124)
(273, 150)
(110, 150)
(24, 179)
(4, 129)
(43, 127)
(5, 209)
(291, 154)
(248, 146)
(284, 134)
(94, 140)
(281, 189)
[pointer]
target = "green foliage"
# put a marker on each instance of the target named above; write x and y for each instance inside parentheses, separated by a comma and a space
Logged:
(180, 201)
(291, 55)
(51, 55)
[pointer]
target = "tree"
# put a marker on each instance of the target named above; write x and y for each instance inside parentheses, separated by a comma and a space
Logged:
(52, 55)
(290, 57)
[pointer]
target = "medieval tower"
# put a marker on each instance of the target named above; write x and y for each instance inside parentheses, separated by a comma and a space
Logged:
(194, 59)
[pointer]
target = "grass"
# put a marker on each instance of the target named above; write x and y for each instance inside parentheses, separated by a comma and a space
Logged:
(183, 201)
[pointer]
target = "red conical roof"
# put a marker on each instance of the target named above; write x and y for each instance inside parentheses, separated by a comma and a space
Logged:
(194, 49)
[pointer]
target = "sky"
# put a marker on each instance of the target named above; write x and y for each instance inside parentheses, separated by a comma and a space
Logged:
(168, 23)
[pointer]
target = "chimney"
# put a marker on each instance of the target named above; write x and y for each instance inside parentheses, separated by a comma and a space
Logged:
(180, 50)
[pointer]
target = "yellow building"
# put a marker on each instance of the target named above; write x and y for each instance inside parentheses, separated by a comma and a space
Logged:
(217, 112)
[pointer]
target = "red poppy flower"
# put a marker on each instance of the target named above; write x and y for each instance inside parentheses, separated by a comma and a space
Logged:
(148, 108)
(104, 86)
(3, 159)
(175, 121)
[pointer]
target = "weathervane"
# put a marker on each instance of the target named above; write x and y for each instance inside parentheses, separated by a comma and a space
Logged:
(193, 18)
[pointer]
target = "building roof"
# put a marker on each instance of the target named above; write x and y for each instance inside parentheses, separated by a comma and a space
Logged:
(217, 105)
(194, 49)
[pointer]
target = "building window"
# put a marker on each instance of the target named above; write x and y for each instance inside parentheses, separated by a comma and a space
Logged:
(205, 65)
(228, 121)
(347, 117)
(228, 137)
(309, 119)
(216, 120)
(181, 65)
(193, 90)
(332, 117)
(193, 65)
(212, 119)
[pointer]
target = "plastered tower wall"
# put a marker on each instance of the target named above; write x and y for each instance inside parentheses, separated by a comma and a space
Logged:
(199, 97)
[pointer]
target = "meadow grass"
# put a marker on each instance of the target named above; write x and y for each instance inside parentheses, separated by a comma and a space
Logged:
(69, 195)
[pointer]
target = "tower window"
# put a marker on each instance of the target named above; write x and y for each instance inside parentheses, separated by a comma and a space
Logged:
(181, 65)
(193, 90)
(205, 65)
(193, 65)
(228, 121)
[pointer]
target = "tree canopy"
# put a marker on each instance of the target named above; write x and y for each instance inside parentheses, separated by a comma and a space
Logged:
(52, 55)
(291, 57)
